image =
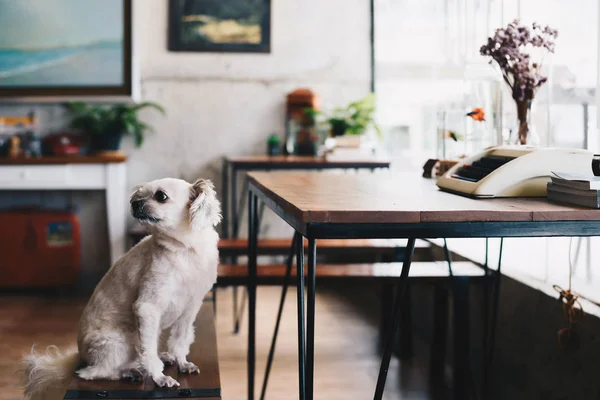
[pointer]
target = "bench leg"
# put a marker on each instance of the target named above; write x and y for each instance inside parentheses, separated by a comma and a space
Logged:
(284, 289)
(437, 358)
(389, 342)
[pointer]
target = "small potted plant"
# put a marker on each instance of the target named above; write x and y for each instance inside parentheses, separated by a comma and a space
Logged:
(273, 145)
(107, 125)
(352, 121)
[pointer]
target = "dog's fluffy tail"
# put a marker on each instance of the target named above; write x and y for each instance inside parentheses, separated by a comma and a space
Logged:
(48, 372)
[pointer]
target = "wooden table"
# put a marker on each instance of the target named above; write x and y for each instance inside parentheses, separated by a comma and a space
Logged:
(100, 172)
(233, 165)
(205, 385)
(322, 205)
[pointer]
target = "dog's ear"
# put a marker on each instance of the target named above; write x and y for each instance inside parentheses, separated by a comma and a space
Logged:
(135, 193)
(205, 209)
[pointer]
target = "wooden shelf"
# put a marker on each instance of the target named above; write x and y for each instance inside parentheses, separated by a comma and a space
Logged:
(75, 159)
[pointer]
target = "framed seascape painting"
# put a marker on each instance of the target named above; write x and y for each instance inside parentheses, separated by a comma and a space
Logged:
(220, 26)
(65, 49)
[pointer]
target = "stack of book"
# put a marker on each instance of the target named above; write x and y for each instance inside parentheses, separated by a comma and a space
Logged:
(581, 190)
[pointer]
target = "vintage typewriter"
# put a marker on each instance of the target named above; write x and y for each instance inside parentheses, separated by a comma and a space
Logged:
(513, 171)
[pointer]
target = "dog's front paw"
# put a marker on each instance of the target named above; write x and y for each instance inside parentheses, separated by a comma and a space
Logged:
(132, 375)
(168, 359)
(165, 381)
(188, 368)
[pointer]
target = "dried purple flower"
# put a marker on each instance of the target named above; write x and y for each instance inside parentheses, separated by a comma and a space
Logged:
(507, 48)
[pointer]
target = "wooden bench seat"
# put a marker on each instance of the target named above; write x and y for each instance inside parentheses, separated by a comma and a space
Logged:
(388, 249)
(231, 274)
(278, 246)
(206, 384)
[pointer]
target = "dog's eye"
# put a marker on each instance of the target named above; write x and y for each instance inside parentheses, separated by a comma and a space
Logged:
(161, 196)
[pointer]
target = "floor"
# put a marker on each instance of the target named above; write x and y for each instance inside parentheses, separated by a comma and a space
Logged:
(347, 359)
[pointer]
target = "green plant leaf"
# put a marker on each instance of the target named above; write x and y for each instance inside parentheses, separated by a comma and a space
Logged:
(106, 120)
(147, 104)
(139, 139)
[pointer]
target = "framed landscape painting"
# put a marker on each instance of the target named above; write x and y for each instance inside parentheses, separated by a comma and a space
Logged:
(65, 48)
(220, 26)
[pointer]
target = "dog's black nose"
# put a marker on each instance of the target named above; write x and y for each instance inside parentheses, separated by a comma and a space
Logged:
(137, 206)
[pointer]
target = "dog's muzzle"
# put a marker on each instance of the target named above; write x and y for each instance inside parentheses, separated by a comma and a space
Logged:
(137, 208)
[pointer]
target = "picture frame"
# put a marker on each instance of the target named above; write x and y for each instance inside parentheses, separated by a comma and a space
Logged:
(27, 84)
(237, 26)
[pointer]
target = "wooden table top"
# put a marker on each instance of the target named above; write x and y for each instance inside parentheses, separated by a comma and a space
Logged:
(264, 161)
(318, 197)
(203, 353)
(74, 159)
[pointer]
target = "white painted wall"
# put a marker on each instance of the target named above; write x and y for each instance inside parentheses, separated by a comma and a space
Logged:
(227, 104)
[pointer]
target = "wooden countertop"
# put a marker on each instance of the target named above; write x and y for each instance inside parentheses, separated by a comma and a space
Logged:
(317, 197)
(54, 160)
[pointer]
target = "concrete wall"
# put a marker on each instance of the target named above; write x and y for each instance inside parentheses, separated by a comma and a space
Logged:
(223, 104)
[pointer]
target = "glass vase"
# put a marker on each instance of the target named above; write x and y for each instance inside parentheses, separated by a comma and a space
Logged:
(524, 132)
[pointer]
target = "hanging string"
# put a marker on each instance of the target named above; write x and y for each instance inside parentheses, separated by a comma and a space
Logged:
(568, 338)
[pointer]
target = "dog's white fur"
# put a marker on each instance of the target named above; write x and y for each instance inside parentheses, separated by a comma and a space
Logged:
(158, 285)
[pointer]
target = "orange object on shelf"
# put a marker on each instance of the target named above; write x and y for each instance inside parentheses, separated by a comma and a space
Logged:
(39, 248)
(298, 101)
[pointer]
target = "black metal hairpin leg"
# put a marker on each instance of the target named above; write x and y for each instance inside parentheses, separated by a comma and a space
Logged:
(252, 254)
(437, 357)
(261, 212)
(310, 317)
(225, 197)
(300, 300)
(494, 317)
(440, 323)
(461, 359)
(284, 288)
(393, 327)
(234, 234)
(485, 310)
(448, 257)
(238, 311)
(236, 326)
(235, 225)
(214, 300)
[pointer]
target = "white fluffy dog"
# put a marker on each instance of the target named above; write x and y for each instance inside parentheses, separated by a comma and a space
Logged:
(158, 285)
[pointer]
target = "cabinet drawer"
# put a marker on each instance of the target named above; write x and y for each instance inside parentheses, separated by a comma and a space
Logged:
(48, 173)
(68, 176)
